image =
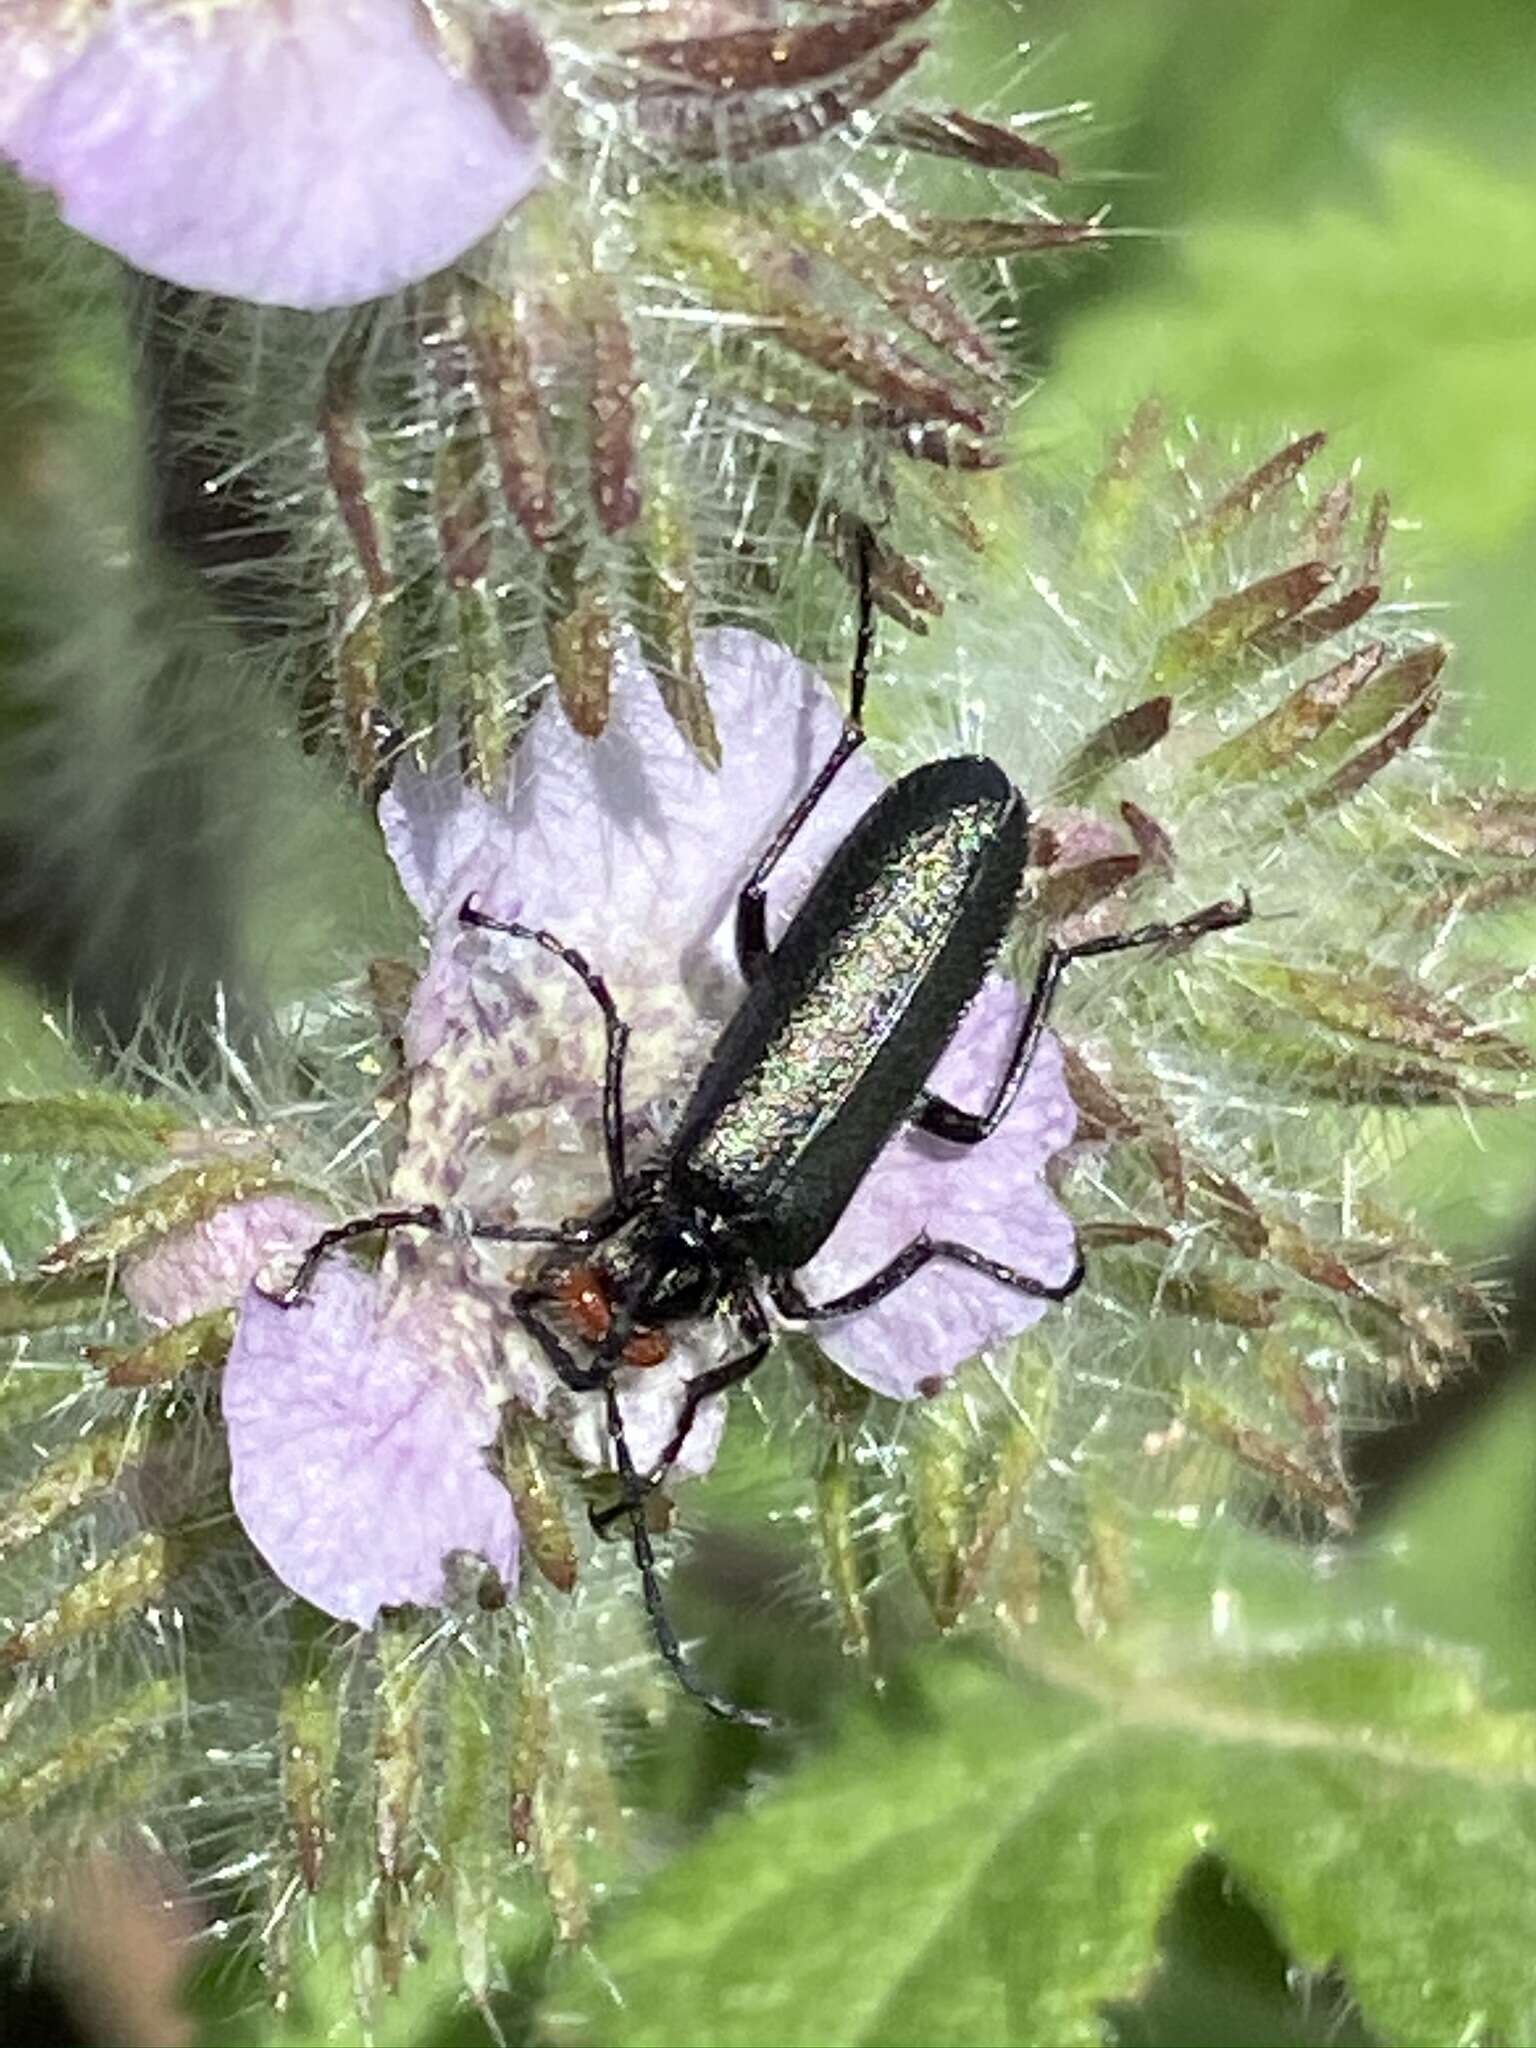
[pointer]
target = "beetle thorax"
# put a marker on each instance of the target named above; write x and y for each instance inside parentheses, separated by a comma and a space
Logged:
(661, 1266)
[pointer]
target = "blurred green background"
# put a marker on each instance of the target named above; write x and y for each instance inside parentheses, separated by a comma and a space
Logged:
(1340, 205)
(1340, 199)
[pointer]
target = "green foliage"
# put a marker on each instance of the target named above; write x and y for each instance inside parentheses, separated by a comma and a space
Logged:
(988, 1857)
(227, 1998)
(1407, 320)
(1256, 110)
(1456, 1555)
(1224, 1981)
(93, 1123)
(1349, 199)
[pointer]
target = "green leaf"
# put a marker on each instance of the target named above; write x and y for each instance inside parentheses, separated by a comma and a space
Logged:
(1407, 313)
(38, 1057)
(50, 1303)
(988, 1858)
(1225, 1981)
(1457, 1550)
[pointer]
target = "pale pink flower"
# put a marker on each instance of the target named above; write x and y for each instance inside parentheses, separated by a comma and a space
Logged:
(358, 1423)
(305, 153)
(209, 1265)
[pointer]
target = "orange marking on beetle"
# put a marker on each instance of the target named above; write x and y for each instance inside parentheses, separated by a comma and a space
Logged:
(585, 1298)
(647, 1348)
(583, 1293)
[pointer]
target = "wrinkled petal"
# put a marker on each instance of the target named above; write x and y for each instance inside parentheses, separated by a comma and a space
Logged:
(440, 833)
(628, 847)
(650, 1403)
(304, 153)
(989, 1196)
(210, 1264)
(357, 1432)
(665, 842)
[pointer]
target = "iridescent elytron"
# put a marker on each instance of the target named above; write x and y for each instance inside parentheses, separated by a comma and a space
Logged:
(838, 1017)
(827, 1057)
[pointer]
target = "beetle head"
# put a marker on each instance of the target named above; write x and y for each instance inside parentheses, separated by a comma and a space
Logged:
(583, 1291)
(660, 1268)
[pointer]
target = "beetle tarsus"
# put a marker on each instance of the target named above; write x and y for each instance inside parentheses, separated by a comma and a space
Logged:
(790, 1301)
(957, 1126)
(430, 1217)
(703, 1387)
(752, 902)
(426, 1216)
(864, 642)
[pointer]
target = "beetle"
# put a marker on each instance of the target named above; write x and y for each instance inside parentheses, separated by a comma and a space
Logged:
(827, 1056)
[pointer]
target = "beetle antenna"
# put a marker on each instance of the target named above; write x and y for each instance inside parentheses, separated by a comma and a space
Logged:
(428, 1216)
(864, 644)
(650, 1584)
(615, 1030)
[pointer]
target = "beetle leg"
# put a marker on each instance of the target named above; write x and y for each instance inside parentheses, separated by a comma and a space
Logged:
(650, 1584)
(787, 1298)
(569, 1236)
(581, 1379)
(428, 1216)
(389, 742)
(591, 1379)
(730, 1373)
(752, 903)
(701, 1389)
(941, 1119)
(616, 1031)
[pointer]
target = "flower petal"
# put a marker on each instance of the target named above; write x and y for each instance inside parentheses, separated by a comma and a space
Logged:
(627, 846)
(440, 833)
(650, 1403)
(663, 838)
(989, 1196)
(506, 1045)
(303, 153)
(357, 1431)
(211, 1264)
(36, 45)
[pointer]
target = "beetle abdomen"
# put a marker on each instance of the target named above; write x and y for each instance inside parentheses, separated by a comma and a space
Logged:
(838, 1034)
